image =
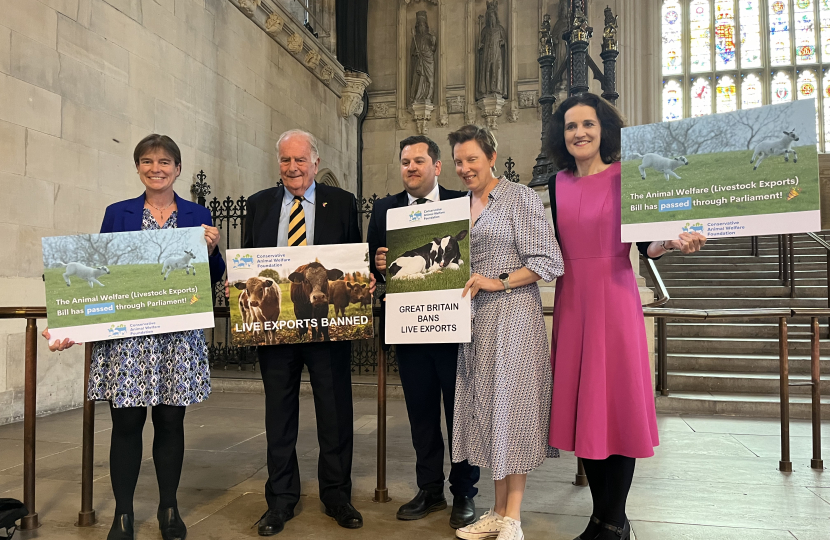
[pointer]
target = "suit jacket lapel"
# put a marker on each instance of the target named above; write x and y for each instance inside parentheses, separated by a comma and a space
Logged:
(185, 218)
(134, 213)
(271, 223)
(402, 199)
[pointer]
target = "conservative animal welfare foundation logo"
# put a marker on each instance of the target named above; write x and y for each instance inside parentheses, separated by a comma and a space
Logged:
(416, 215)
(243, 261)
(115, 331)
(697, 227)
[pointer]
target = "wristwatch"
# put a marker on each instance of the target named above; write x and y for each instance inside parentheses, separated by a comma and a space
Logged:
(505, 280)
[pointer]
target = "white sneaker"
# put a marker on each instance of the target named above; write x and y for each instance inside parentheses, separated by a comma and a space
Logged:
(488, 526)
(511, 530)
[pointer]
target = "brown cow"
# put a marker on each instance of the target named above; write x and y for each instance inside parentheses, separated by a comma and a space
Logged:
(342, 293)
(264, 300)
(310, 295)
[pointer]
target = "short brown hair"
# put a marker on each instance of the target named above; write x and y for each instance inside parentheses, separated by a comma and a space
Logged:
(611, 123)
(432, 149)
(157, 142)
(472, 132)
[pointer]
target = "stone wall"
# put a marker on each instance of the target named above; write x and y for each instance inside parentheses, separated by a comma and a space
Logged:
(82, 81)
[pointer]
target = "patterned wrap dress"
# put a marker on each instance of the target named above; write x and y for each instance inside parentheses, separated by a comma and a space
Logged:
(603, 401)
(503, 382)
(141, 371)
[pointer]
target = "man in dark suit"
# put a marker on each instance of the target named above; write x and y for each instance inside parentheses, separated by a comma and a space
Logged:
(427, 370)
(302, 212)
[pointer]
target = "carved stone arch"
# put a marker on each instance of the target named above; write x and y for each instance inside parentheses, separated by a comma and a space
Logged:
(325, 176)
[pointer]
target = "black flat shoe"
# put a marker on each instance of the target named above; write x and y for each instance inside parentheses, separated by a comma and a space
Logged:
(273, 521)
(423, 503)
(612, 532)
(170, 524)
(591, 531)
(463, 512)
(122, 528)
(346, 516)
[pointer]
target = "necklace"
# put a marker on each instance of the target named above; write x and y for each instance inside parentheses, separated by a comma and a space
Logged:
(159, 210)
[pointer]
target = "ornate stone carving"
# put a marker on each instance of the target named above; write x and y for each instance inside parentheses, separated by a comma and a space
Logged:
(327, 74)
(433, 2)
(422, 112)
(274, 24)
(560, 44)
(312, 59)
(491, 108)
(351, 101)
(513, 116)
(528, 99)
(470, 115)
(422, 58)
(545, 37)
(609, 34)
(455, 104)
(491, 79)
(248, 7)
(295, 43)
(380, 110)
(443, 116)
(401, 120)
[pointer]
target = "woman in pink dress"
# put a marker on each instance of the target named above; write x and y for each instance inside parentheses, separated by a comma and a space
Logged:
(602, 398)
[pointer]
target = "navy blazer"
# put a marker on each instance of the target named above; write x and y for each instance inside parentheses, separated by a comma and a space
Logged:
(376, 235)
(127, 216)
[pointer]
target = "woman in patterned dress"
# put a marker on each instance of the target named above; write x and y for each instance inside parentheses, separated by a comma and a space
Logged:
(603, 401)
(167, 371)
(503, 383)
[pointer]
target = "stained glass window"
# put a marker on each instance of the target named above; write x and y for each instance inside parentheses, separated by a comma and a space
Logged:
(700, 33)
(826, 96)
(824, 17)
(752, 92)
(726, 97)
(806, 85)
(805, 32)
(672, 38)
(782, 88)
(779, 32)
(701, 97)
(672, 101)
(750, 13)
(725, 34)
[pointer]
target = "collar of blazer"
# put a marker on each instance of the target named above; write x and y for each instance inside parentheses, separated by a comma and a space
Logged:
(135, 209)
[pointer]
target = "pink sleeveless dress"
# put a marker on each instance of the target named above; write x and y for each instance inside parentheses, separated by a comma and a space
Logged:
(602, 397)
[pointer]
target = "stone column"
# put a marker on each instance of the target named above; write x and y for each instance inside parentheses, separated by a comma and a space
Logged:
(471, 42)
(402, 66)
(441, 81)
(513, 59)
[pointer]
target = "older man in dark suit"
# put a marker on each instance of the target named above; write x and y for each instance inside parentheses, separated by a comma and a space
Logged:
(298, 213)
(427, 370)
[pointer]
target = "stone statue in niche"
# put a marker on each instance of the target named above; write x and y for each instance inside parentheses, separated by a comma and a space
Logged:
(560, 46)
(492, 55)
(422, 61)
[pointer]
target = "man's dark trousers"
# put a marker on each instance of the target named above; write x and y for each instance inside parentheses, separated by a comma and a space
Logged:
(427, 372)
(329, 368)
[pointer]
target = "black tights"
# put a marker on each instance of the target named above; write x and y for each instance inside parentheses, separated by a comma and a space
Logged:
(125, 452)
(610, 480)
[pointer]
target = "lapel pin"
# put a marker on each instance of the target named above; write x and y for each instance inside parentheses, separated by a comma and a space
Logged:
(324, 204)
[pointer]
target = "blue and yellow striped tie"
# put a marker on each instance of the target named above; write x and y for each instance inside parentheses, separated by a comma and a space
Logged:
(296, 224)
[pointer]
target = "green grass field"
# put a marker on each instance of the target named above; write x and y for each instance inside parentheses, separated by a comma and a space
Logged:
(337, 333)
(124, 280)
(706, 169)
(402, 240)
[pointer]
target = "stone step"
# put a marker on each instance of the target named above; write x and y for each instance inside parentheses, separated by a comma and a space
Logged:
(746, 291)
(739, 382)
(753, 320)
(741, 345)
(727, 329)
(725, 264)
(706, 258)
(731, 404)
(747, 303)
(736, 274)
(748, 280)
(741, 363)
(743, 251)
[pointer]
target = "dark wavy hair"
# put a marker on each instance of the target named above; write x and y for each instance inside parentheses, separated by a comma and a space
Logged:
(157, 142)
(611, 123)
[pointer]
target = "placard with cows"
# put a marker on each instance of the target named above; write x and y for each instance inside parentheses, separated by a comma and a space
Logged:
(744, 173)
(117, 285)
(300, 294)
(427, 266)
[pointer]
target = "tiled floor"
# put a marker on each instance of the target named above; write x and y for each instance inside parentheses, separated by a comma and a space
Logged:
(712, 478)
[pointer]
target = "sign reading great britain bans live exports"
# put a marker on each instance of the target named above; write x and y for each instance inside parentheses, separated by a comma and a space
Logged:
(743, 173)
(427, 266)
(118, 285)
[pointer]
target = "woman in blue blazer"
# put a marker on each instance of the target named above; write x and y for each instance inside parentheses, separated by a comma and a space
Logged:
(166, 372)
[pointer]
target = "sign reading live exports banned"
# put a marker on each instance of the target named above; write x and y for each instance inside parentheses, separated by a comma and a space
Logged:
(427, 266)
(743, 173)
(300, 294)
(117, 285)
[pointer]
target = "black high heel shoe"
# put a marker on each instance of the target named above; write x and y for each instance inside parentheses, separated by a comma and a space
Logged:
(170, 524)
(122, 528)
(591, 530)
(612, 532)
